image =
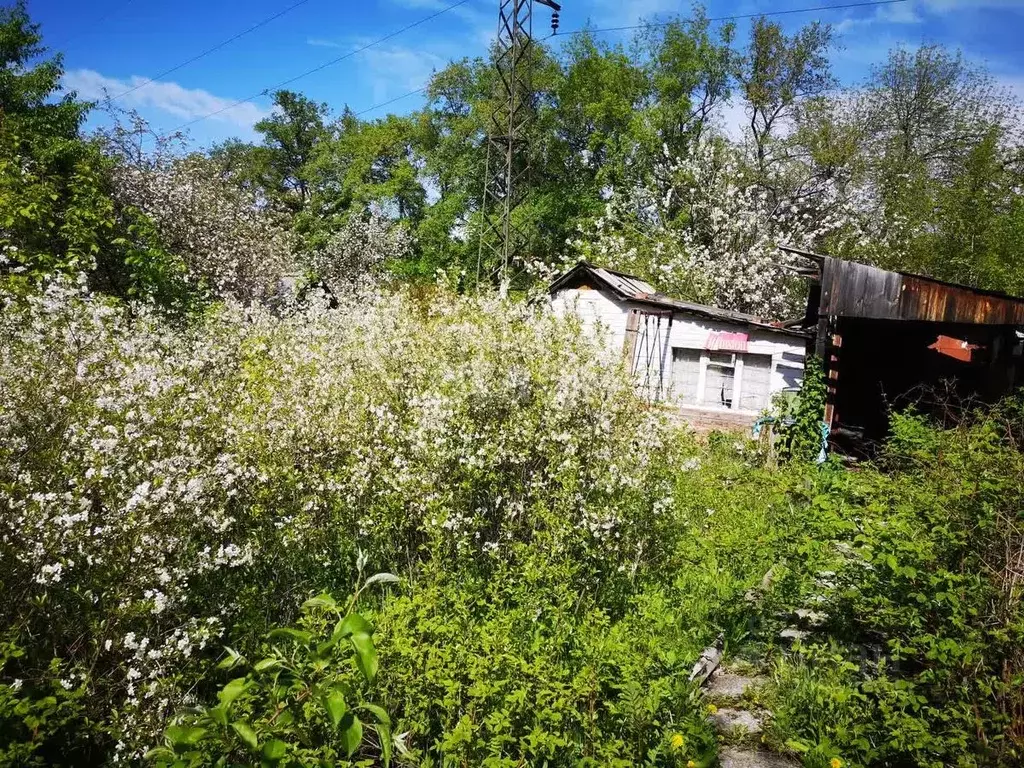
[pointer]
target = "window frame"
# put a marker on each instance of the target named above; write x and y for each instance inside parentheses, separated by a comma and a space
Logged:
(737, 367)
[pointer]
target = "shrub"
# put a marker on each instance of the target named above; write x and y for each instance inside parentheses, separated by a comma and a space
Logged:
(171, 489)
(926, 602)
(303, 702)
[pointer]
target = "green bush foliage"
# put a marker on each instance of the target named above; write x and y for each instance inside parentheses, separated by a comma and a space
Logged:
(924, 596)
(565, 554)
(800, 418)
(300, 704)
(172, 490)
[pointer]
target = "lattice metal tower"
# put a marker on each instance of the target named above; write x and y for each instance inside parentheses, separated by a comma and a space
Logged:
(506, 173)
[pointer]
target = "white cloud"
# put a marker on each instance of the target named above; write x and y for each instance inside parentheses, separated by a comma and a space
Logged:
(466, 12)
(482, 18)
(902, 13)
(185, 103)
(319, 42)
(396, 69)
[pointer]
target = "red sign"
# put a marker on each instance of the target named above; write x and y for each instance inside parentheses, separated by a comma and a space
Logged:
(721, 341)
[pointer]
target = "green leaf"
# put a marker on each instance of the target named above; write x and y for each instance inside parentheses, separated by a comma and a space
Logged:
(385, 578)
(232, 659)
(184, 735)
(289, 633)
(232, 691)
(324, 648)
(219, 715)
(246, 734)
(334, 703)
(384, 732)
(379, 713)
(351, 733)
(797, 746)
(160, 753)
(366, 655)
(274, 750)
(265, 664)
(320, 601)
(350, 625)
(286, 718)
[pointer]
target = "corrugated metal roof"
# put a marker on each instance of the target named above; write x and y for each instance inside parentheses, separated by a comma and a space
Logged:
(626, 283)
(851, 289)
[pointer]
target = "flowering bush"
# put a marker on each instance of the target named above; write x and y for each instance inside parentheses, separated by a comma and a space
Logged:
(201, 228)
(358, 251)
(709, 232)
(165, 490)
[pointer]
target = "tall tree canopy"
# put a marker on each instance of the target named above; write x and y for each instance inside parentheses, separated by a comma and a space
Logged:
(918, 168)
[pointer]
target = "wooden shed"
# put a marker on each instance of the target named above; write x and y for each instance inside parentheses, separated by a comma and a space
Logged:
(892, 339)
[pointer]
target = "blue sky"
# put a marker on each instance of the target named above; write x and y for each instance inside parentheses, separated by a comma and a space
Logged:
(117, 44)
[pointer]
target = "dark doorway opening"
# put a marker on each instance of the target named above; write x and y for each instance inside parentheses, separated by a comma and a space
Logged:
(879, 366)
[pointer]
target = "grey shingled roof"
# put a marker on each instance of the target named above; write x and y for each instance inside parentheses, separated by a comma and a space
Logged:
(631, 288)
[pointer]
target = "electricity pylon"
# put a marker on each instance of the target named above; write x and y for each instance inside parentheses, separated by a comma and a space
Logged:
(507, 169)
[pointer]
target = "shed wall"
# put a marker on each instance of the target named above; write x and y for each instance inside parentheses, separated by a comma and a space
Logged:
(598, 309)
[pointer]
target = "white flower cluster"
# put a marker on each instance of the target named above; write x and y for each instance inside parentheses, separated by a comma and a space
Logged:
(164, 487)
(356, 253)
(228, 241)
(710, 233)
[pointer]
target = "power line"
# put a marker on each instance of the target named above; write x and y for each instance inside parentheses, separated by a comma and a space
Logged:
(734, 17)
(741, 16)
(421, 89)
(217, 47)
(642, 26)
(326, 64)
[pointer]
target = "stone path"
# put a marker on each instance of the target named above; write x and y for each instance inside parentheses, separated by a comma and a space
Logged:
(738, 757)
(734, 714)
(740, 722)
(728, 685)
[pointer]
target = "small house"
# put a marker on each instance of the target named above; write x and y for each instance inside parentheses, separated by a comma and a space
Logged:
(717, 368)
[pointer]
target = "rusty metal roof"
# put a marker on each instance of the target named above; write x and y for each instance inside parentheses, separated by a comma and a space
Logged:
(631, 288)
(850, 289)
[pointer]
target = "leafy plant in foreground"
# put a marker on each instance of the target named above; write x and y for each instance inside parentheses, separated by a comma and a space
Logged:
(305, 702)
(923, 665)
(799, 430)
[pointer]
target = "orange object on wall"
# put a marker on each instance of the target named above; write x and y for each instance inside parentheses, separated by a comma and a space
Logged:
(958, 349)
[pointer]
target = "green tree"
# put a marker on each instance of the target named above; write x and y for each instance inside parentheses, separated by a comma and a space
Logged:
(53, 211)
(280, 165)
(941, 151)
(690, 75)
(778, 74)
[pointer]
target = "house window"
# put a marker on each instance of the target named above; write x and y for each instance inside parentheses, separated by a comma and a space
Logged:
(686, 374)
(734, 380)
(757, 381)
(719, 378)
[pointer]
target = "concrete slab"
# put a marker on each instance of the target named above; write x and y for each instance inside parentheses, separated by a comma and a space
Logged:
(732, 720)
(737, 757)
(726, 685)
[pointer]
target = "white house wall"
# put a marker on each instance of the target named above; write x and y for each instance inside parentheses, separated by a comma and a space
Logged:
(597, 309)
(601, 309)
(787, 352)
